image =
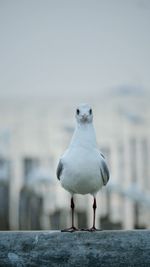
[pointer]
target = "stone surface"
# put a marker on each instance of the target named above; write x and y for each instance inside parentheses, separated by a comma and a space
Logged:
(54, 248)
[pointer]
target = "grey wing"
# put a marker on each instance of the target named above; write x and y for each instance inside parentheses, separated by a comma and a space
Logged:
(59, 169)
(102, 155)
(104, 172)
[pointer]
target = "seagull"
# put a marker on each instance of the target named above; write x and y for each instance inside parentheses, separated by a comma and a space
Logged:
(82, 169)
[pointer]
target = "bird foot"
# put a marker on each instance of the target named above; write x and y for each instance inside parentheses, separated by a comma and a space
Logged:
(92, 229)
(70, 229)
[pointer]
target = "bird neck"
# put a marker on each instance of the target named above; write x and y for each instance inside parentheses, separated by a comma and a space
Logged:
(84, 135)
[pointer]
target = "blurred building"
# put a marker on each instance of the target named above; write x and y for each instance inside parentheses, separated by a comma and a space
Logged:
(33, 135)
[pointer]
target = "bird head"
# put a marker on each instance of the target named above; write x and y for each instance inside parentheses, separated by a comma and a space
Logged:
(84, 114)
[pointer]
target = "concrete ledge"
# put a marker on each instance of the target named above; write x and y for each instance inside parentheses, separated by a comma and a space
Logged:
(53, 248)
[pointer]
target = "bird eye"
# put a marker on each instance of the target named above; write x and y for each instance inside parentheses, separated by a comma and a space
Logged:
(78, 111)
(90, 111)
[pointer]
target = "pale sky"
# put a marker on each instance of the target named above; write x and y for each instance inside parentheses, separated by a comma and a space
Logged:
(68, 47)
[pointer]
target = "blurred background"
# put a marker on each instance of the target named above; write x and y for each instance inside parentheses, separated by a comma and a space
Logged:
(53, 56)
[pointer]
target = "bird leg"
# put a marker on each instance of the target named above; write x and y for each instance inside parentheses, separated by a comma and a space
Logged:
(94, 213)
(93, 228)
(72, 228)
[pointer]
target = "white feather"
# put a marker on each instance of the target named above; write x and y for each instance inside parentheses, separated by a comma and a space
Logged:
(82, 160)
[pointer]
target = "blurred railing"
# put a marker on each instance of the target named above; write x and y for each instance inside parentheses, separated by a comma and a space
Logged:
(4, 205)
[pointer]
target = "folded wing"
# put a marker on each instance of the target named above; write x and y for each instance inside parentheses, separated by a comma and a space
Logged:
(104, 171)
(59, 169)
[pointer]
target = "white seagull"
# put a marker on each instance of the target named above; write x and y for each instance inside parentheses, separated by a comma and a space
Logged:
(82, 169)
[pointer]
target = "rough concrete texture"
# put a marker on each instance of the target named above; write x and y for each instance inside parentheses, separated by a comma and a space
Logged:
(92, 249)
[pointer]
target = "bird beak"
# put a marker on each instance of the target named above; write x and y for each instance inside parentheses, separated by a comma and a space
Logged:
(84, 117)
